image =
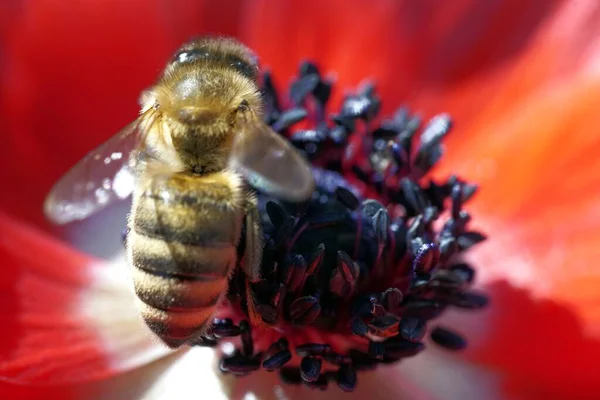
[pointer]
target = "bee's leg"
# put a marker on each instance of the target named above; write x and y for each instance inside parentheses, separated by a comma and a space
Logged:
(252, 257)
(254, 240)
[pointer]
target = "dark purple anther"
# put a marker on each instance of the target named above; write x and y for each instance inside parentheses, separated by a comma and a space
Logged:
(426, 258)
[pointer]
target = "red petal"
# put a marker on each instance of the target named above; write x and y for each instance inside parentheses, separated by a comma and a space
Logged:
(51, 330)
(541, 345)
(538, 175)
(40, 283)
(413, 49)
(71, 73)
(534, 156)
(542, 203)
(148, 382)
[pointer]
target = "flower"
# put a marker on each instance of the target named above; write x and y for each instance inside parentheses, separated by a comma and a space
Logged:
(531, 71)
(342, 283)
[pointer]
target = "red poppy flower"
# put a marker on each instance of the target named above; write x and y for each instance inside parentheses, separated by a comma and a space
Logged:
(521, 81)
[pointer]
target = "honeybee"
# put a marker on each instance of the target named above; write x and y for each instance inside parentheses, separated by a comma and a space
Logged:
(186, 160)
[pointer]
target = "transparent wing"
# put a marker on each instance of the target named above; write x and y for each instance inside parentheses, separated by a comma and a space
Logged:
(104, 176)
(270, 163)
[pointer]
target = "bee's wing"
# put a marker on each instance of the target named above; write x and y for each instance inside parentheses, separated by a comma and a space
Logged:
(270, 163)
(102, 177)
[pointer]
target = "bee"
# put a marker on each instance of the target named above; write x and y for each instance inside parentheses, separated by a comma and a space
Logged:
(189, 160)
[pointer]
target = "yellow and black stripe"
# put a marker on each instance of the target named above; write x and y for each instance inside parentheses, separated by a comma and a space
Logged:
(184, 230)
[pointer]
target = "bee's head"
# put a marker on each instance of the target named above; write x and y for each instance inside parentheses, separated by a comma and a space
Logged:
(208, 81)
(198, 111)
(205, 89)
(203, 100)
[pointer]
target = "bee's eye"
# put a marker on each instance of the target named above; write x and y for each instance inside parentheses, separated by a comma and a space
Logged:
(244, 106)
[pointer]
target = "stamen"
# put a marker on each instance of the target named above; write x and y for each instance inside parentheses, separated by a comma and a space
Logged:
(448, 339)
(351, 277)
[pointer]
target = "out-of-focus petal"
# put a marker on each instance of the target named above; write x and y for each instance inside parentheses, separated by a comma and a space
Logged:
(442, 376)
(538, 345)
(548, 232)
(140, 383)
(71, 73)
(414, 49)
(66, 317)
(538, 170)
(194, 375)
(564, 50)
(383, 384)
(536, 160)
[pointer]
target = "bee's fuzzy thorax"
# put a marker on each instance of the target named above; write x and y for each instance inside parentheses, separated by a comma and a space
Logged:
(197, 104)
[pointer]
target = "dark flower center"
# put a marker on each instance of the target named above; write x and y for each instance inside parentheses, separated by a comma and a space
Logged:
(362, 265)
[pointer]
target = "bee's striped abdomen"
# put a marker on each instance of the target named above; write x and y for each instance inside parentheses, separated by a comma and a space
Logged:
(182, 247)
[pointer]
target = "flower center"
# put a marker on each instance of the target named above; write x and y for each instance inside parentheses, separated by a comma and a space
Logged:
(351, 278)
